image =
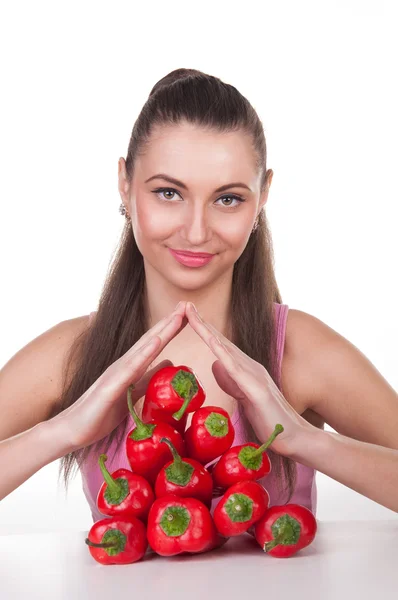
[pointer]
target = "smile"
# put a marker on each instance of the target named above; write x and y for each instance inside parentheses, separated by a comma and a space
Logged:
(191, 259)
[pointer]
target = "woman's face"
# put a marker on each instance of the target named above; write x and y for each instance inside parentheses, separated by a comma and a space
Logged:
(194, 218)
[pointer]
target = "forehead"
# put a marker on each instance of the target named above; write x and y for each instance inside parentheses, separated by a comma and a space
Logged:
(190, 152)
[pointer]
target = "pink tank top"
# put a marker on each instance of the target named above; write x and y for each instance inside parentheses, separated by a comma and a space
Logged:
(305, 492)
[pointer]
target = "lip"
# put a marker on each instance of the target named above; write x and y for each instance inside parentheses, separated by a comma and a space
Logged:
(192, 259)
(195, 254)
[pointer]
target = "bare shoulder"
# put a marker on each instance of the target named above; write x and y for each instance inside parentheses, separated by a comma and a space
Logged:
(70, 330)
(53, 347)
(64, 333)
(67, 333)
(56, 342)
(329, 379)
(77, 325)
(33, 377)
(301, 385)
(305, 331)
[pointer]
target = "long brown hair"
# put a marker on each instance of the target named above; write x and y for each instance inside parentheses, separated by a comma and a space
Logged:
(121, 319)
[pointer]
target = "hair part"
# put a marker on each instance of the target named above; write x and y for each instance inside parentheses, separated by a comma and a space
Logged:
(204, 100)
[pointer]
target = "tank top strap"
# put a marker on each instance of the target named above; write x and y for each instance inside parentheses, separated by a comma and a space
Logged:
(281, 312)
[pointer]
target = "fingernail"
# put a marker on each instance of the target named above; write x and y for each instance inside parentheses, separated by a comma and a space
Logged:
(177, 305)
(191, 304)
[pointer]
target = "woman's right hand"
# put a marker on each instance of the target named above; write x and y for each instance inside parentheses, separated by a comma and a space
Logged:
(104, 405)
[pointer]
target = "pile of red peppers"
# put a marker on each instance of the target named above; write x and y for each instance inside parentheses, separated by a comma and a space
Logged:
(164, 501)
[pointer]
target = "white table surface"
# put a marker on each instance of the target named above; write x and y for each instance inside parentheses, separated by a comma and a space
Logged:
(347, 560)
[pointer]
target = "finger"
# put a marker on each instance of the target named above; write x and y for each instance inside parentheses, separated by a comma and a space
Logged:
(237, 372)
(155, 343)
(165, 336)
(181, 307)
(130, 367)
(225, 381)
(141, 385)
(158, 328)
(171, 329)
(207, 332)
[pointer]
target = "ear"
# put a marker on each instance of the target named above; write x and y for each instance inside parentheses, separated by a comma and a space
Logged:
(264, 194)
(123, 182)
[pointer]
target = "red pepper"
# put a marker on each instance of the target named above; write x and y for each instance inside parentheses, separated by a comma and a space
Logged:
(210, 435)
(284, 530)
(117, 540)
(124, 493)
(172, 392)
(243, 504)
(243, 463)
(184, 477)
(145, 452)
(177, 525)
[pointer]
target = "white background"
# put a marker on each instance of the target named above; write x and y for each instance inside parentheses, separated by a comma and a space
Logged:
(322, 76)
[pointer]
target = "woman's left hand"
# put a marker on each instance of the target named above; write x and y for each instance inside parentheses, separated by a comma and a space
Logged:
(249, 382)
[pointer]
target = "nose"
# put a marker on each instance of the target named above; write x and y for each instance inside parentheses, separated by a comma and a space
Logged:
(196, 226)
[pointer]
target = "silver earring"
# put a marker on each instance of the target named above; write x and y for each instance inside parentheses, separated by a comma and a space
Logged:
(255, 225)
(123, 211)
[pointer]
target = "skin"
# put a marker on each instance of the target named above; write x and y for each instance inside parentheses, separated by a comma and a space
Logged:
(322, 370)
(197, 221)
(316, 357)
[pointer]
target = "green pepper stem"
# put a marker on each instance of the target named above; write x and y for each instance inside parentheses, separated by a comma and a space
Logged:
(104, 545)
(278, 429)
(113, 486)
(280, 538)
(141, 428)
(270, 545)
(177, 460)
(188, 397)
(179, 471)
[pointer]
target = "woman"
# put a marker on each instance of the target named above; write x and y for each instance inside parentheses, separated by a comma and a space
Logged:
(195, 180)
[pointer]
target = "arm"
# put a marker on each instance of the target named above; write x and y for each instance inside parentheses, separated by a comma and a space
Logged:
(339, 383)
(22, 455)
(366, 468)
(334, 379)
(30, 384)
(91, 417)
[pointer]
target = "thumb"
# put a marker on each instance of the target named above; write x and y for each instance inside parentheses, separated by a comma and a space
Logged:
(141, 385)
(225, 381)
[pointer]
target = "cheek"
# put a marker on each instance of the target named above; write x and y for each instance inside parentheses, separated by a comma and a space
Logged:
(151, 222)
(235, 232)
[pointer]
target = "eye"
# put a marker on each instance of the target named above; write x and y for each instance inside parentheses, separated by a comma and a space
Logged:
(238, 199)
(163, 190)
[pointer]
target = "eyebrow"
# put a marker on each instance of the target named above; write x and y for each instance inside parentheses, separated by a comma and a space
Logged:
(183, 186)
